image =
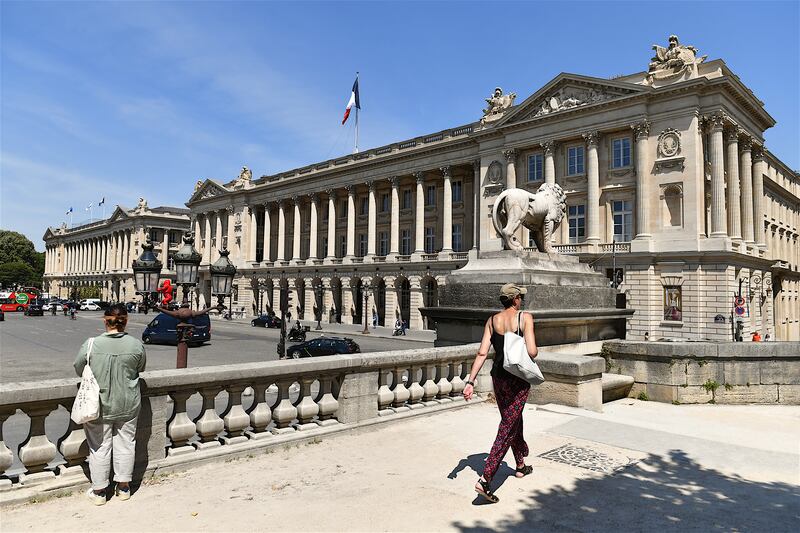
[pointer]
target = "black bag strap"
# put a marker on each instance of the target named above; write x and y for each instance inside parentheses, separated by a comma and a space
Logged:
(519, 323)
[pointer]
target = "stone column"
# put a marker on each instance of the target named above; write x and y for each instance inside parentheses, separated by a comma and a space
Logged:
(394, 239)
(549, 161)
(641, 131)
(252, 234)
(476, 207)
(267, 234)
(231, 244)
(734, 212)
(593, 192)
(297, 224)
(419, 222)
(351, 220)
(371, 220)
(759, 167)
(207, 239)
(391, 304)
(126, 244)
(415, 317)
(746, 203)
(281, 233)
(511, 169)
(313, 238)
(218, 234)
(447, 212)
(347, 301)
(718, 218)
(331, 254)
(165, 251)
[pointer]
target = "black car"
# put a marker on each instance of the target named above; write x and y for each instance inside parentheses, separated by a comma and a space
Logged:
(266, 321)
(323, 346)
(35, 308)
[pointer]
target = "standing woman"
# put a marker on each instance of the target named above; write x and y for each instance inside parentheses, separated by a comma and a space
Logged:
(116, 359)
(510, 391)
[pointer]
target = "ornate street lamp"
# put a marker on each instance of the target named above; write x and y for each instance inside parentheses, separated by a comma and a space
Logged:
(366, 290)
(146, 272)
(222, 273)
(319, 292)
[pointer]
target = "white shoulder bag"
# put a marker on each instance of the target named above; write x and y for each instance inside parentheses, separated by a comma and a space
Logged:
(516, 359)
(87, 402)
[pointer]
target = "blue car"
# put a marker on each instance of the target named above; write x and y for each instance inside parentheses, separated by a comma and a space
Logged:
(163, 330)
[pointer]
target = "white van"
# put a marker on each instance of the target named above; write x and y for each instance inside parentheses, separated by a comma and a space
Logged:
(90, 304)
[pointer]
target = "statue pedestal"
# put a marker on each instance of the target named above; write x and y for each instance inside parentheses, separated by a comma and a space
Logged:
(569, 301)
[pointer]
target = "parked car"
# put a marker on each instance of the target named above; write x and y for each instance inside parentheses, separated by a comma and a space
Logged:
(163, 330)
(266, 321)
(90, 304)
(323, 346)
(35, 308)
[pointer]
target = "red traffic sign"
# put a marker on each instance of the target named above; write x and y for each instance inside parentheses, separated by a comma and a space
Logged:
(739, 310)
(738, 301)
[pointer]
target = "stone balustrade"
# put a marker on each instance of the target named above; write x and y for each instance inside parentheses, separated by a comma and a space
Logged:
(201, 413)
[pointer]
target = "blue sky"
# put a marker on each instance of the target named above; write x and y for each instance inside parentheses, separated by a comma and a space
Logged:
(129, 99)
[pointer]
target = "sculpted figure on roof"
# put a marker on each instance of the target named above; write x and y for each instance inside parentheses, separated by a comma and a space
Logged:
(497, 105)
(674, 60)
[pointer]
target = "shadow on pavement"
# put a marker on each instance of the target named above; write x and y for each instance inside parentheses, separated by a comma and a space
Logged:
(656, 494)
(476, 463)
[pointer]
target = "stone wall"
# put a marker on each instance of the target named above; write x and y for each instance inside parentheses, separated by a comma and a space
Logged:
(694, 372)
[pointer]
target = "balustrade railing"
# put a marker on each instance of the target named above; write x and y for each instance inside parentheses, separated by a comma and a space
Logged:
(187, 415)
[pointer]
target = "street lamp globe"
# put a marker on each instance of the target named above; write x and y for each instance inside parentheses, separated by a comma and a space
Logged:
(222, 273)
(187, 261)
(146, 270)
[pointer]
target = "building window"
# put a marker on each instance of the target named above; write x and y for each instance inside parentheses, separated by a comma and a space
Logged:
(673, 303)
(407, 199)
(535, 167)
(405, 242)
(623, 220)
(343, 209)
(384, 203)
(575, 160)
(430, 239)
(577, 223)
(621, 153)
(362, 245)
(342, 245)
(458, 243)
(155, 235)
(174, 237)
(325, 245)
(383, 243)
(457, 192)
(364, 206)
(430, 195)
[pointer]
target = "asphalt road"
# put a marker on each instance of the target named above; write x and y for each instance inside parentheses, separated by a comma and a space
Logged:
(44, 347)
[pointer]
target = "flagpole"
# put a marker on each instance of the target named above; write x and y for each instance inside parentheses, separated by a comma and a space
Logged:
(70, 219)
(355, 151)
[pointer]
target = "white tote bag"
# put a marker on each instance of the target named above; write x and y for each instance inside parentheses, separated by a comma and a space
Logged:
(87, 402)
(516, 359)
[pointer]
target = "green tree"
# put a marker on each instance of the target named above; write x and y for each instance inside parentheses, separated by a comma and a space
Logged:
(18, 273)
(16, 247)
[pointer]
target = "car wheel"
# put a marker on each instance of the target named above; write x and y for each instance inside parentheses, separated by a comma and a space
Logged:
(253, 323)
(146, 339)
(295, 354)
(20, 308)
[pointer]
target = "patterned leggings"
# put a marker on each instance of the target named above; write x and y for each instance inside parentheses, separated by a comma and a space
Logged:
(511, 394)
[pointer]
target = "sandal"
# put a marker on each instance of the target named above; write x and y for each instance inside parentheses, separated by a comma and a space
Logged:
(486, 491)
(525, 470)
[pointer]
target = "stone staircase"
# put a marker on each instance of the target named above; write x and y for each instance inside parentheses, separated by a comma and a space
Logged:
(616, 386)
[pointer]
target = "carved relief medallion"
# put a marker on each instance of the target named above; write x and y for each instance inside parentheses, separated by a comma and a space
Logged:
(669, 143)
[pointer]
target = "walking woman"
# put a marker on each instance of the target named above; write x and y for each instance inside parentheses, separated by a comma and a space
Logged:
(510, 391)
(116, 359)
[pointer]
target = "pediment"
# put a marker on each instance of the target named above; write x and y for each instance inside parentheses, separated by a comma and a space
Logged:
(207, 189)
(567, 92)
(119, 213)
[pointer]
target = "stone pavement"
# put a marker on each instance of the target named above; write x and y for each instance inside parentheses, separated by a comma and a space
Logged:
(637, 466)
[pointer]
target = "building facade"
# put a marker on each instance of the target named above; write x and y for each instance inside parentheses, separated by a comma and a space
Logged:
(100, 254)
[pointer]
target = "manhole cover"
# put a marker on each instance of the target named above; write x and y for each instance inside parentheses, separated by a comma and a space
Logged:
(587, 458)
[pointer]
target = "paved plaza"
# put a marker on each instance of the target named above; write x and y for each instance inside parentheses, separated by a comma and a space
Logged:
(638, 466)
(37, 348)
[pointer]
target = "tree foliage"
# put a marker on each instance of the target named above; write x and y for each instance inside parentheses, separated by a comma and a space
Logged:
(20, 263)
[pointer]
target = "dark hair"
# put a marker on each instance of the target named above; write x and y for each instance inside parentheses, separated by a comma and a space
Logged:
(116, 316)
(507, 301)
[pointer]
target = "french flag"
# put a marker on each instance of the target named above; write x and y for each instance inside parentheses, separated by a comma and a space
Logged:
(354, 101)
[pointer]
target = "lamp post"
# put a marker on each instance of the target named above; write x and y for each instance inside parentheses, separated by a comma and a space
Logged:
(319, 292)
(284, 304)
(262, 288)
(366, 289)
(146, 271)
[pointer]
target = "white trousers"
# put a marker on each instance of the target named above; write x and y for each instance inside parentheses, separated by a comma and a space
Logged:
(109, 440)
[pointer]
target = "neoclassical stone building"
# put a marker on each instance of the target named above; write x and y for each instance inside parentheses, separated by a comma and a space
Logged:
(666, 176)
(100, 254)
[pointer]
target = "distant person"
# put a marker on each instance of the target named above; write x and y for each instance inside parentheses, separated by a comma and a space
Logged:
(374, 319)
(73, 312)
(116, 360)
(510, 391)
(756, 336)
(767, 337)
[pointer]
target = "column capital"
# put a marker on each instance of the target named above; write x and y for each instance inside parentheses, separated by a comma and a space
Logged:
(370, 186)
(445, 171)
(745, 141)
(331, 193)
(549, 147)
(716, 121)
(510, 154)
(476, 165)
(758, 152)
(296, 200)
(267, 206)
(419, 176)
(591, 138)
(230, 209)
(314, 197)
(732, 135)
(641, 129)
(394, 181)
(351, 190)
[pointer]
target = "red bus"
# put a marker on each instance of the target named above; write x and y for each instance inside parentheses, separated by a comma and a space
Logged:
(17, 300)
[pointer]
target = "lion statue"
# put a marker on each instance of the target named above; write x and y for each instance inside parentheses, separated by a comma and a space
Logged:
(541, 212)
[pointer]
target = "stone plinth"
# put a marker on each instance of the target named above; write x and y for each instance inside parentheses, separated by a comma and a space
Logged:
(570, 302)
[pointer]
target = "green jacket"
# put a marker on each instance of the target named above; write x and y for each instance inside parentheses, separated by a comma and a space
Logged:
(116, 360)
